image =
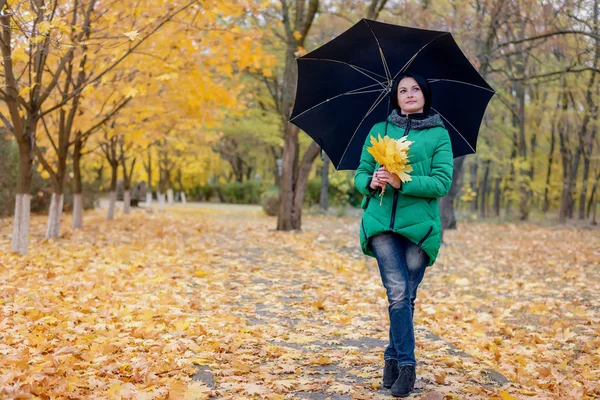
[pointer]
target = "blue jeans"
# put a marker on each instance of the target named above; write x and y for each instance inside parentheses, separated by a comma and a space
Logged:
(402, 265)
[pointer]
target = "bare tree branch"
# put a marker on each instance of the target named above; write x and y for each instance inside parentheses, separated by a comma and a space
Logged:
(313, 7)
(565, 71)
(547, 35)
(91, 130)
(6, 122)
(44, 162)
(49, 135)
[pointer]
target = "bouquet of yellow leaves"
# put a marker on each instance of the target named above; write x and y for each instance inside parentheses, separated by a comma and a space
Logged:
(393, 155)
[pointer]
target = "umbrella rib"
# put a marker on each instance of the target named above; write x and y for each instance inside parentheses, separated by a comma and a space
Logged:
(464, 83)
(405, 67)
(355, 67)
(374, 106)
(383, 60)
(353, 91)
(457, 131)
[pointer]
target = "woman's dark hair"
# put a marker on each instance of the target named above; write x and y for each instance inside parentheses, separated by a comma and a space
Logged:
(423, 84)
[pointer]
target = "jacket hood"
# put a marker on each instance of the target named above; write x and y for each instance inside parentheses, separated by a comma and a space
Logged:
(417, 121)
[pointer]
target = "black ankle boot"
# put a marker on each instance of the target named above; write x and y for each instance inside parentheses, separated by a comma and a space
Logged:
(390, 373)
(405, 383)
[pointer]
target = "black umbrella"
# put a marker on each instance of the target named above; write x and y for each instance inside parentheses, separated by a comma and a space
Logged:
(344, 85)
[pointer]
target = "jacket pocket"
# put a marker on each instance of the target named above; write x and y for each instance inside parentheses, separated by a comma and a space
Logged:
(425, 237)
(365, 201)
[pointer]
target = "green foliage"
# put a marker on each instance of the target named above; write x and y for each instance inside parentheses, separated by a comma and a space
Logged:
(248, 192)
(341, 190)
(202, 192)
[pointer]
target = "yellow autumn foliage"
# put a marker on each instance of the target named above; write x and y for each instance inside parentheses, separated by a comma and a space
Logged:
(393, 154)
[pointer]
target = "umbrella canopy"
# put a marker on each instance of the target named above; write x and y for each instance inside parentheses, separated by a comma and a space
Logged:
(344, 86)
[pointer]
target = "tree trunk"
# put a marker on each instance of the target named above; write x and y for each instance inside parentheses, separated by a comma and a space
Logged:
(571, 169)
(56, 203)
(275, 152)
(473, 167)
(20, 239)
(595, 207)
(170, 196)
(446, 203)
(585, 140)
(183, 198)
(113, 193)
(292, 186)
(593, 194)
(586, 171)
(305, 166)
(497, 196)
(287, 214)
(546, 205)
(77, 189)
(524, 185)
(509, 187)
(483, 190)
(324, 197)
(148, 168)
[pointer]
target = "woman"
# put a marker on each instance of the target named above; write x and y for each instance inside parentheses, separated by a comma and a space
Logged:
(404, 232)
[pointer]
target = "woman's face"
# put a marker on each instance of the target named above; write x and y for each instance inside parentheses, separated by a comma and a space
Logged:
(410, 96)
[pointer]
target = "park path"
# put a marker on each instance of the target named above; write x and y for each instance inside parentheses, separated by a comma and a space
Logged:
(303, 315)
(203, 301)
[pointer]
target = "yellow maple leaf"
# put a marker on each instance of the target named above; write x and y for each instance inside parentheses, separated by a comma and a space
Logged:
(393, 155)
(182, 324)
(132, 35)
(504, 395)
(44, 27)
(196, 391)
(254, 389)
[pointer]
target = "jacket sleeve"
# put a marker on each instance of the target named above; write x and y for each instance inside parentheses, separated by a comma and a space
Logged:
(438, 183)
(364, 172)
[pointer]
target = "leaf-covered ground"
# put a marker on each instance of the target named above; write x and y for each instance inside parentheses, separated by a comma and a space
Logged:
(200, 302)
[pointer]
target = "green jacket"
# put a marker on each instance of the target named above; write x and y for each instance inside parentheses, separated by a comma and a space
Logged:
(411, 211)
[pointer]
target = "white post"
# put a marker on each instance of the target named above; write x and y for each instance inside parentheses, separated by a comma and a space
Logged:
(111, 206)
(126, 202)
(56, 205)
(77, 211)
(161, 201)
(20, 239)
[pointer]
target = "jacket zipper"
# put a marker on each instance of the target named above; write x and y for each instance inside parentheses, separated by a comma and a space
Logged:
(425, 237)
(395, 201)
(394, 205)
